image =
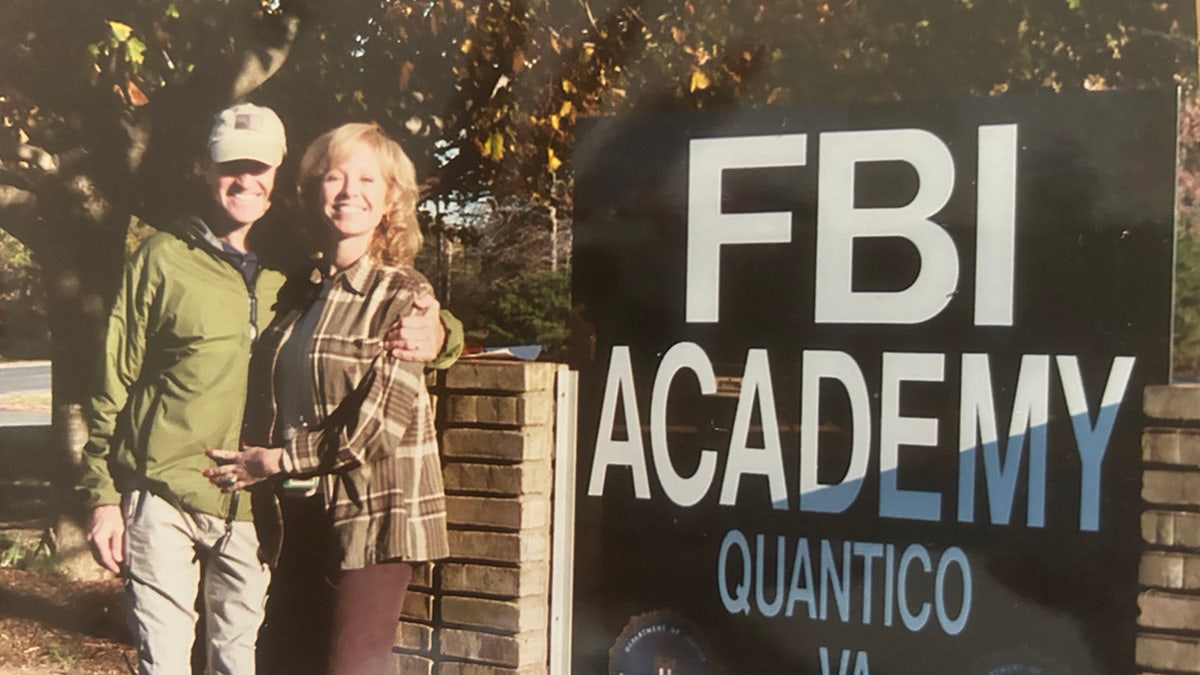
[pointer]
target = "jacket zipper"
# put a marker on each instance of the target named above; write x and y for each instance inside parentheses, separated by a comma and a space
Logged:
(251, 286)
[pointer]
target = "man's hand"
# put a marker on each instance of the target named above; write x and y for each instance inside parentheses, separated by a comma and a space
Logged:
(237, 470)
(418, 337)
(106, 535)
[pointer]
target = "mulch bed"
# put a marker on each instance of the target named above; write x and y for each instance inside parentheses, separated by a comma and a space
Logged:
(52, 624)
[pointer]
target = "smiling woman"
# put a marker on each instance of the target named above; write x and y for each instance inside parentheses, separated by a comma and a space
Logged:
(361, 183)
(353, 193)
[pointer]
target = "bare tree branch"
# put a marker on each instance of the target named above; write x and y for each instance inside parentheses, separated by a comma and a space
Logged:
(259, 64)
(28, 166)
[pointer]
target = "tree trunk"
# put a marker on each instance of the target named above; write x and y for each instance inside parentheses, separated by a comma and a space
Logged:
(81, 279)
(554, 234)
(446, 259)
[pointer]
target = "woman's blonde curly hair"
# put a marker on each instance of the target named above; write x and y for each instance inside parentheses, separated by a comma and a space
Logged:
(397, 239)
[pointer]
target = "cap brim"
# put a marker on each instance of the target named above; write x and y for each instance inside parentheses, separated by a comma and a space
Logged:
(233, 149)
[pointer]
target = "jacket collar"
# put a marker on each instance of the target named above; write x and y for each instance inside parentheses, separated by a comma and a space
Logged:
(194, 230)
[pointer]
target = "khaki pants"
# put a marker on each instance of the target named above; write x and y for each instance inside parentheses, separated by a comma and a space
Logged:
(171, 556)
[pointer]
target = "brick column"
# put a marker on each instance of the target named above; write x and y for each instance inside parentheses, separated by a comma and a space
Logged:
(1169, 577)
(485, 610)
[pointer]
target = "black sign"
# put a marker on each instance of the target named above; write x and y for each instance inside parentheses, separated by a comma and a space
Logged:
(866, 388)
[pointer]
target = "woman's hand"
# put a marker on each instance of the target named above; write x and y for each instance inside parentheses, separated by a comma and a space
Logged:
(237, 470)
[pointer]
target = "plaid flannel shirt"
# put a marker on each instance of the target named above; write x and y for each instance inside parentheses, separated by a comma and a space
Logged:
(370, 432)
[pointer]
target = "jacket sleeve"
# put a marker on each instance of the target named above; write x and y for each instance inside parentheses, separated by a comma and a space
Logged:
(124, 352)
(452, 348)
(372, 418)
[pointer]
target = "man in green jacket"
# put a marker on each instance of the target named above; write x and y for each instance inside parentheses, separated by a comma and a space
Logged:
(177, 347)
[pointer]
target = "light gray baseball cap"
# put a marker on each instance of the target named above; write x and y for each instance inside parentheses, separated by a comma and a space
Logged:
(247, 131)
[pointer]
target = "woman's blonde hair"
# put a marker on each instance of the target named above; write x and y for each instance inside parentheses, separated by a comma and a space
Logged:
(398, 236)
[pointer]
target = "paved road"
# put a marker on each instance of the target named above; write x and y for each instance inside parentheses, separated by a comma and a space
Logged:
(24, 377)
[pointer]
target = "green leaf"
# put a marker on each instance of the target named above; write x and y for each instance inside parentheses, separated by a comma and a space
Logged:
(119, 31)
(135, 49)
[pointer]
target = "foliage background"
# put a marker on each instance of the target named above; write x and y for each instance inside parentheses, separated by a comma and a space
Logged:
(104, 107)
(23, 329)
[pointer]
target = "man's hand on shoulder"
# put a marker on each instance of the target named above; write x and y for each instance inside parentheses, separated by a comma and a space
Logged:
(419, 336)
(106, 535)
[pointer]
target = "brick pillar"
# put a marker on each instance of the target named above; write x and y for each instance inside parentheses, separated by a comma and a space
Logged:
(485, 610)
(1169, 576)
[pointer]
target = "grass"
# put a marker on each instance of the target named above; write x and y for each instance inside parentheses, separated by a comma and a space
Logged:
(24, 550)
(25, 401)
(67, 654)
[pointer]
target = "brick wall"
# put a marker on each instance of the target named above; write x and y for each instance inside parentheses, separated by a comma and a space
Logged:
(486, 609)
(1169, 577)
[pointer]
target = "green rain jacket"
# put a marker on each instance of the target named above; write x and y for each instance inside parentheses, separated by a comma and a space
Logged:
(177, 352)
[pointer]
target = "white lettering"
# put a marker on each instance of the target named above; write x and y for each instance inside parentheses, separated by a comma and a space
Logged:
(953, 556)
(767, 460)
(913, 622)
(769, 608)
(868, 551)
(896, 430)
(833, 497)
(739, 603)
(613, 452)
(709, 229)
(1092, 439)
(682, 491)
(840, 583)
(839, 223)
(977, 419)
(760, 571)
(996, 212)
(803, 567)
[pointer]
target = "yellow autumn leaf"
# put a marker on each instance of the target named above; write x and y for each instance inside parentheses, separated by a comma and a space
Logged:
(465, 46)
(120, 31)
(568, 86)
(565, 109)
(552, 160)
(699, 81)
(495, 146)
